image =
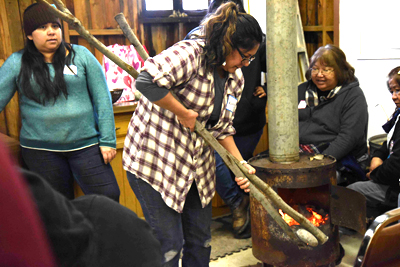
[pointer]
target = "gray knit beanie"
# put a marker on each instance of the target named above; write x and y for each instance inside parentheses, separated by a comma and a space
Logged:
(36, 15)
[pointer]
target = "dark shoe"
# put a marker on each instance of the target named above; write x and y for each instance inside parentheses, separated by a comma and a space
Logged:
(245, 234)
(241, 215)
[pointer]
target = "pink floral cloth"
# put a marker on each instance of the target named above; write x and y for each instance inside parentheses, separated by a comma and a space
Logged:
(117, 77)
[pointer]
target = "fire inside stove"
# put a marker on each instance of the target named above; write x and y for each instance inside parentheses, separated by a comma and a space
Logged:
(309, 212)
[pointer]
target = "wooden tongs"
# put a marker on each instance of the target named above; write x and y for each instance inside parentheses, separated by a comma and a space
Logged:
(261, 191)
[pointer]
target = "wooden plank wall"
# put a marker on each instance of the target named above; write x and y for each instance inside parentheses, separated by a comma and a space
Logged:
(318, 23)
(159, 36)
(99, 15)
(11, 40)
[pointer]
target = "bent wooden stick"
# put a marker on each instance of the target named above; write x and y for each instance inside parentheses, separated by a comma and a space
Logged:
(130, 35)
(237, 168)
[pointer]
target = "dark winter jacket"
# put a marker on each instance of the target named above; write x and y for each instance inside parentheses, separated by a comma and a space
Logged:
(341, 121)
(250, 112)
(389, 172)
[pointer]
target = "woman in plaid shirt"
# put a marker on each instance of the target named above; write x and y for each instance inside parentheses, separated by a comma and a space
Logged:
(170, 168)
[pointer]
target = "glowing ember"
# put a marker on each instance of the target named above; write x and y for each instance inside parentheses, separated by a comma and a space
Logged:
(315, 218)
(289, 220)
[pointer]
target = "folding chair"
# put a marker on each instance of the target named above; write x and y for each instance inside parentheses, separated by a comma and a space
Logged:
(381, 242)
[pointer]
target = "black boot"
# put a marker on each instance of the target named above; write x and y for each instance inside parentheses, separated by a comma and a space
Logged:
(241, 216)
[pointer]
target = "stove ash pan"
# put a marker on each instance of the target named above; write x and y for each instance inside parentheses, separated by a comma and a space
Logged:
(303, 184)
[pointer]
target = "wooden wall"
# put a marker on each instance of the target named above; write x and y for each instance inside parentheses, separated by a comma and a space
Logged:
(11, 40)
(97, 16)
(161, 34)
(320, 19)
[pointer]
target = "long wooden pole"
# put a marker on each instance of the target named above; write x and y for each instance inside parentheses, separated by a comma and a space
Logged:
(237, 168)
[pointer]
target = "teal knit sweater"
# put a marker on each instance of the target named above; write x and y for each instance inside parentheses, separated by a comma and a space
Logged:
(83, 119)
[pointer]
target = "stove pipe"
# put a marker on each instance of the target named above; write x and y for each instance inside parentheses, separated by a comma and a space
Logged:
(283, 125)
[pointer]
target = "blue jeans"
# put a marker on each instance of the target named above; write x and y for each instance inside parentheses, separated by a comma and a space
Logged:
(189, 230)
(86, 166)
(226, 187)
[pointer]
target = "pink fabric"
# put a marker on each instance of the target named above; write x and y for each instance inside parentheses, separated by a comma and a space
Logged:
(118, 78)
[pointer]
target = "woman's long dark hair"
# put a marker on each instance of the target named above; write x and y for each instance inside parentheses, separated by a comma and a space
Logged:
(215, 4)
(228, 29)
(34, 69)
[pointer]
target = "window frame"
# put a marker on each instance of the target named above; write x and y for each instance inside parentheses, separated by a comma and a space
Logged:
(177, 6)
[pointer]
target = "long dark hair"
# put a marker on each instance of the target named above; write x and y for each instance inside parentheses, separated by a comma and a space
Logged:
(215, 4)
(228, 29)
(35, 70)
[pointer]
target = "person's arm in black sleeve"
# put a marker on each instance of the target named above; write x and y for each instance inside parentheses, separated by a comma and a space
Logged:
(389, 172)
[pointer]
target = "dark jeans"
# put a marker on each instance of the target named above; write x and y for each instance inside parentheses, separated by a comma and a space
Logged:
(226, 187)
(189, 230)
(86, 166)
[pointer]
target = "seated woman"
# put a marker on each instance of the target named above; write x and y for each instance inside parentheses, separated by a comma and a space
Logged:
(383, 188)
(333, 114)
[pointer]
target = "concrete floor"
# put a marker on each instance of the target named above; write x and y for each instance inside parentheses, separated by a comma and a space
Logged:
(245, 258)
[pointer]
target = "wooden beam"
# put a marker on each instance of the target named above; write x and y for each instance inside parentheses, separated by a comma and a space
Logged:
(336, 21)
(97, 32)
(5, 38)
(318, 28)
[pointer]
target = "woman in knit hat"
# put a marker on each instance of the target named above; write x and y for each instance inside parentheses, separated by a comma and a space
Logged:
(68, 129)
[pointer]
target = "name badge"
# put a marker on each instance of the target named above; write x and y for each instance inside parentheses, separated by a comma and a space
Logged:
(70, 70)
(231, 105)
(302, 104)
(390, 134)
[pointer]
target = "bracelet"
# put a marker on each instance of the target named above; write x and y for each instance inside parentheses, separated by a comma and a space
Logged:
(243, 162)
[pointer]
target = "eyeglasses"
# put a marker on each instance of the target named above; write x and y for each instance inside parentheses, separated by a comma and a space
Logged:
(315, 71)
(245, 59)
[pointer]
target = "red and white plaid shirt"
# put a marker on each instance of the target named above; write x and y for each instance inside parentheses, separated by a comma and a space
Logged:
(158, 149)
